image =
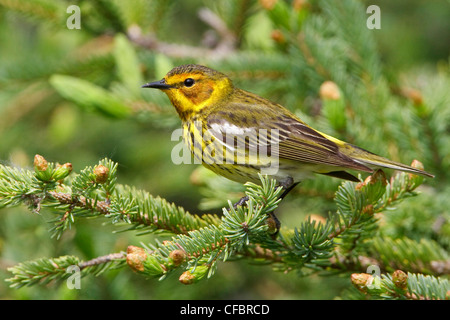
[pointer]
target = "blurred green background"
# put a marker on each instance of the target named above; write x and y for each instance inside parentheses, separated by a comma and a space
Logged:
(36, 118)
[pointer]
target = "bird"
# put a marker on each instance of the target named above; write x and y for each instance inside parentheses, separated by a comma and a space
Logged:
(240, 135)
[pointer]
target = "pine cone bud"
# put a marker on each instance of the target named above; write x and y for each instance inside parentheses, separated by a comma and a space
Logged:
(329, 91)
(361, 281)
(278, 36)
(417, 165)
(141, 261)
(101, 174)
(42, 168)
(369, 210)
(318, 218)
(136, 257)
(297, 5)
(360, 185)
(414, 178)
(40, 164)
(187, 278)
(268, 4)
(62, 171)
(400, 279)
(194, 275)
(177, 257)
(377, 176)
(414, 95)
(272, 225)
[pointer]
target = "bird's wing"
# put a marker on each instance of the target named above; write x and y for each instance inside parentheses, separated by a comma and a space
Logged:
(257, 124)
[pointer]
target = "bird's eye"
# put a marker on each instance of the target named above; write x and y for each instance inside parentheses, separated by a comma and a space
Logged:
(189, 82)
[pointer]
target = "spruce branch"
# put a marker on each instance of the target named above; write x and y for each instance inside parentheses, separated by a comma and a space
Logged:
(424, 256)
(401, 285)
(200, 243)
(202, 249)
(40, 10)
(358, 204)
(313, 243)
(93, 192)
(44, 271)
(244, 232)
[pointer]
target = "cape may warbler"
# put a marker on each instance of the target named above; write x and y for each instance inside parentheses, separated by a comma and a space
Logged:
(238, 134)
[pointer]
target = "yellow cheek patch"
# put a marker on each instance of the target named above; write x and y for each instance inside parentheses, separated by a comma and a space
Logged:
(190, 100)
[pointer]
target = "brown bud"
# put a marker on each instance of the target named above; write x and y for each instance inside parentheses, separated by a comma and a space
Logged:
(135, 258)
(272, 225)
(62, 171)
(414, 95)
(101, 174)
(297, 5)
(360, 185)
(329, 91)
(278, 36)
(177, 257)
(40, 164)
(318, 218)
(417, 164)
(194, 275)
(377, 176)
(368, 210)
(196, 177)
(267, 4)
(400, 279)
(414, 177)
(187, 278)
(361, 281)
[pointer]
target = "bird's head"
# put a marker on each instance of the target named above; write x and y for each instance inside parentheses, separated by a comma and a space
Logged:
(193, 87)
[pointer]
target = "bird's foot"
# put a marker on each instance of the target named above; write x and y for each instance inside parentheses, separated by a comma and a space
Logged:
(273, 222)
(241, 202)
(274, 225)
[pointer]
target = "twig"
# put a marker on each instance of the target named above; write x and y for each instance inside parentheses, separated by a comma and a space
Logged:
(102, 260)
(224, 47)
(102, 207)
(66, 198)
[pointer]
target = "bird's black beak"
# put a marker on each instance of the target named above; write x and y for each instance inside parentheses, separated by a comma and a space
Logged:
(158, 85)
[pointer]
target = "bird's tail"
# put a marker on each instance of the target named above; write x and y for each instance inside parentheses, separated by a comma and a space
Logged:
(374, 161)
